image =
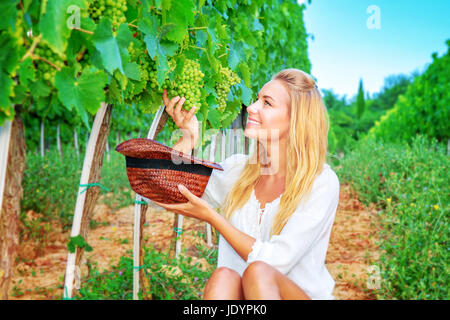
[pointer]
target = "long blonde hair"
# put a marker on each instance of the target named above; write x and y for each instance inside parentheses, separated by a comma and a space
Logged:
(306, 151)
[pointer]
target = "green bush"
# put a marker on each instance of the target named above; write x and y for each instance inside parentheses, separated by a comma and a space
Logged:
(50, 184)
(117, 284)
(409, 183)
(424, 108)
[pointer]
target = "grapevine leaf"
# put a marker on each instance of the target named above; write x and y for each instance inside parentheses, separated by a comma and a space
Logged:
(201, 38)
(165, 5)
(39, 89)
(212, 29)
(149, 24)
(54, 22)
(246, 94)
(107, 45)
(181, 16)
(162, 65)
(27, 72)
(6, 88)
(257, 26)
(245, 72)
(85, 93)
(168, 47)
(236, 55)
(132, 71)
(20, 94)
(152, 44)
(8, 10)
(214, 118)
(9, 56)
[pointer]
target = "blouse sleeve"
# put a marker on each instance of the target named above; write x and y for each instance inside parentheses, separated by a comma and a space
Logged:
(303, 229)
(221, 182)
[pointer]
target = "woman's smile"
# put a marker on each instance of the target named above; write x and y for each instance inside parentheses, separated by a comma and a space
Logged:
(252, 122)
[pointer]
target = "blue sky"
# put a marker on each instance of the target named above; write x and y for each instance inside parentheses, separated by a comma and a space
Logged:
(344, 49)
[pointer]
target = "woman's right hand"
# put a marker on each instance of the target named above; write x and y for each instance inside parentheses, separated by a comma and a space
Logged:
(185, 120)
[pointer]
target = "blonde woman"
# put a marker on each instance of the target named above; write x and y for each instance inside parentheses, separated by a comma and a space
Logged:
(278, 204)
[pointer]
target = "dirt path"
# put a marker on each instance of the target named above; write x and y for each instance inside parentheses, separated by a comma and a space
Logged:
(350, 250)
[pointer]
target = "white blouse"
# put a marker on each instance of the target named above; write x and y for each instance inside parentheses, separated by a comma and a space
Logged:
(299, 251)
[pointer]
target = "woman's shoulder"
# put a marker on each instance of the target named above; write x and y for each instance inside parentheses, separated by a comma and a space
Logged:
(235, 161)
(327, 178)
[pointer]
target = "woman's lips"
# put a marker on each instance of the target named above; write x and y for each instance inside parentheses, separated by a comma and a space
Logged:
(253, 122)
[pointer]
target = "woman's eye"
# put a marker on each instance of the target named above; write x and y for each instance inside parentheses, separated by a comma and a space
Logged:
(268, 103)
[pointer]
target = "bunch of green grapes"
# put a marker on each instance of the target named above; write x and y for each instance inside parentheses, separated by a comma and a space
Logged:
(188, 85)
(230, 78)
(46, 69)
(113, 9)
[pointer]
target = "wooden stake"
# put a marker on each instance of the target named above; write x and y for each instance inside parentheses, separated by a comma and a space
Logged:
(86, 200)
(12, 168)
(212, 151)
(137, 230)
(42, 138)
(75, 141)
(58, 140)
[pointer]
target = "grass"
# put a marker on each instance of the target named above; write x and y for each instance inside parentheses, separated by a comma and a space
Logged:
(409, 183)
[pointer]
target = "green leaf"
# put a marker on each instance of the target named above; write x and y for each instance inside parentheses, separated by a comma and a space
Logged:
(180, 16)
(236, 54)
(149, 24)
(54, 22)
(85, 93)
(214, 118)
(8, 10)
(132, 71)
(79, 242)
(113, 50)
(9, 56)
(246, 94)
(245, 74)
(6, 88)
(162, 65)
(152, 45)
(27, 72)
(39, 89)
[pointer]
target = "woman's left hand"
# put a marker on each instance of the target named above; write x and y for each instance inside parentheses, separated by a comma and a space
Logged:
(195, 207)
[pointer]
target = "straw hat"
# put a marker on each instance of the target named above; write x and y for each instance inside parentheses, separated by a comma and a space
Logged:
(155, 170)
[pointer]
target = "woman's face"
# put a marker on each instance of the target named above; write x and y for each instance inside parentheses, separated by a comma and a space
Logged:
(270, 113)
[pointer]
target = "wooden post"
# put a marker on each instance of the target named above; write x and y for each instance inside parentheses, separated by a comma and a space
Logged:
(212, 151)
(42, 138)
(58, 140)
(223, 141)
(75, 141)
(87, 197)
(155, 128)
(12, 168)
(107, 151)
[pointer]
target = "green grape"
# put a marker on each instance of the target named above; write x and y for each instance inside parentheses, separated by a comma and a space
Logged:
(230, 78)
(48, 71)
(188, 84)
(114, 10)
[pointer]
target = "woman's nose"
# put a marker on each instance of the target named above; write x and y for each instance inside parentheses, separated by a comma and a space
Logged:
(253, 108)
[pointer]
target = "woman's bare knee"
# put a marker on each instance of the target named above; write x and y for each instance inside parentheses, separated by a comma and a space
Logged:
(224, 283)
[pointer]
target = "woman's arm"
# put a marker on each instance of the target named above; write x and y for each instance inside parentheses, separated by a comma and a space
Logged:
(241, 242)
(184, 145)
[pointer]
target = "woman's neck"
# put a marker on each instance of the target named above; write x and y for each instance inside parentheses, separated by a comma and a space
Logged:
(274, 159)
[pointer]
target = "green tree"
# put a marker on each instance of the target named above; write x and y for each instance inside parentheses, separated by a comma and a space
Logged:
(360, 102)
